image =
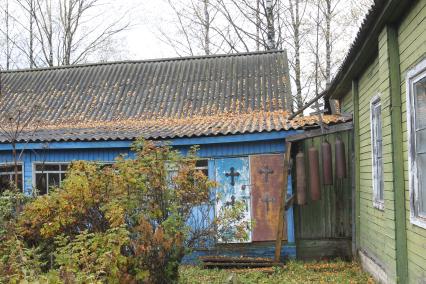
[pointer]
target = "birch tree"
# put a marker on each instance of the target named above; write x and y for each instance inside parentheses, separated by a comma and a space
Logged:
(59, 32)
(193, 22)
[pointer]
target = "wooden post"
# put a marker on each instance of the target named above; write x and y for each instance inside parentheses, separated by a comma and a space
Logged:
(357, 171)
(397, 156)
(282, 202)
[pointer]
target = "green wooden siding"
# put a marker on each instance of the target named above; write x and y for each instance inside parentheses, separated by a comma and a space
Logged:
(378, 228)
(324, 228)
(412, 49)
(347, 103)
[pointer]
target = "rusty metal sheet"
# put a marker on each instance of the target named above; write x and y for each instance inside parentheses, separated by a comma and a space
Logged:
(267, 178)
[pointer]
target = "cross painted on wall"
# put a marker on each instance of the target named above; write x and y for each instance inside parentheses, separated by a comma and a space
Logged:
(266, 171)
(232, 174)
(267, 199)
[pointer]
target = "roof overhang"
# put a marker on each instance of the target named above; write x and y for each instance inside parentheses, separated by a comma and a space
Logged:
(365, 46)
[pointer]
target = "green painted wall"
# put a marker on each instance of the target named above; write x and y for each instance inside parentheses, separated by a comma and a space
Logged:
(347, 103)
(412, 49)
(324, 228)
(377, 228)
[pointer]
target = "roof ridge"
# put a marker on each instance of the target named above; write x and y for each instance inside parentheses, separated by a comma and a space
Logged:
(154, 60)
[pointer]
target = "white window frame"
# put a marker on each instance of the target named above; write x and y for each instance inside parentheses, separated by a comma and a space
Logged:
(22, 171)
(46, 172)
(35, 163)
(413, 75)
(377, 173)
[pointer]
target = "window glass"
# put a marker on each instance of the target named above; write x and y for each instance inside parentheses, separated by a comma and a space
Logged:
(420, 103)
(7, 176)
(41, 184)
(419, 88)
(421, 158)
(421, 141)
(49, 175)
(203, 165)
(377, 149)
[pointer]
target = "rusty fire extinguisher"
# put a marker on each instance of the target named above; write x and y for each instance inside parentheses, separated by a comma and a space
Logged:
(314, 175)
(300, 179)
(340, 159)
(327, 164)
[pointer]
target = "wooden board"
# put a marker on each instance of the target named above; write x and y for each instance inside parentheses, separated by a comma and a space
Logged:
(233, 176)
(267, 178)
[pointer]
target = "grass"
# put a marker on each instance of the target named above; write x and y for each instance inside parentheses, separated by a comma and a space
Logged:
(293, 272)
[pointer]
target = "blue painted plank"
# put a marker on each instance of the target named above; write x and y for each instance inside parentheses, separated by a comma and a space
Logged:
(238, 138)
(290, 219)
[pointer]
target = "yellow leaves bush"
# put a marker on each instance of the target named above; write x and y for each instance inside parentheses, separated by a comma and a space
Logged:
(121, 224)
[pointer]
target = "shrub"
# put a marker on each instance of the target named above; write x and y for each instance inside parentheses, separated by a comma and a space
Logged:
(127, 223)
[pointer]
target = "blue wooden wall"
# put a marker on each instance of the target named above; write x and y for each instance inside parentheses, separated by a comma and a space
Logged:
(30, 156)
(107, 151)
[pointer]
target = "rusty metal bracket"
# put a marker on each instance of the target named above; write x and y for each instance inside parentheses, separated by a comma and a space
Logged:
(289, 202)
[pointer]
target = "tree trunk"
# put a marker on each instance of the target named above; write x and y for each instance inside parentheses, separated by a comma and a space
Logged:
(258, 25)
(206, 27)
(15, 164)
(295, 18)
(31, 30)
(8, 53)
(328, 42)
(270, 24)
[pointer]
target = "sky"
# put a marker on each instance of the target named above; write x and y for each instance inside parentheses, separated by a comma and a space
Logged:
(141, 39)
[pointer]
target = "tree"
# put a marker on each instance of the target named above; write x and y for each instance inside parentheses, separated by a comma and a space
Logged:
(249, 25)
(194, 26)
(126, 223)
(59, 32)
(296, 36)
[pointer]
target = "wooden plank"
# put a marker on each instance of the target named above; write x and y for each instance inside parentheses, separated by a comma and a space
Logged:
(233, 259)
(267, 181)
(317, 132)
(324, 249)
(397, 157)
(283, 194)
(356, 177)
(238, 265)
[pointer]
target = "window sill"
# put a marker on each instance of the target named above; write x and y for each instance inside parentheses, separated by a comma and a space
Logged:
(419, 222)
(379, 205)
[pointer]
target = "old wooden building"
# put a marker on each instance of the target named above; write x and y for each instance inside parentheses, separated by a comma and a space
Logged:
(383, 83)
(235, 107)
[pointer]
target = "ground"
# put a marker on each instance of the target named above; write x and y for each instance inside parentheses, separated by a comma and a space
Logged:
(293, 272)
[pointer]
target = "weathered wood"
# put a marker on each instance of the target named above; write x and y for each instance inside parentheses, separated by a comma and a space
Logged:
(317, 132)
(308, 104)
(324, 249)
(357, 213)
(330, 217)
(283, 194)
(238, 265)
(230, 259)
(266, 174)
(289, 202)
(397, 156)
(319, 112)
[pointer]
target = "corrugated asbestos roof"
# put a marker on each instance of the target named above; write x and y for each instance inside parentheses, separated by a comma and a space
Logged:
(165, 98)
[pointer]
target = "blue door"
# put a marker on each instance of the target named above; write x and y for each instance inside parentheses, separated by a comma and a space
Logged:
(233, 177)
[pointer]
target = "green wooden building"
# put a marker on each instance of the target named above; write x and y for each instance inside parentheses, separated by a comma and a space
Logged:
(382, 82)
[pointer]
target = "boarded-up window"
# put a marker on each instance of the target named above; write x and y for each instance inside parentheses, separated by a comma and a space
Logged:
(416, 106)
(376, 149)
